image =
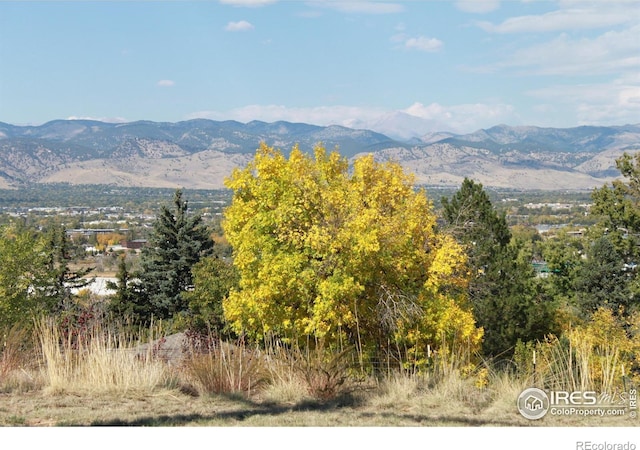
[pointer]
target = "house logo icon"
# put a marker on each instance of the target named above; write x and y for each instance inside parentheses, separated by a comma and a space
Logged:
(533, 403)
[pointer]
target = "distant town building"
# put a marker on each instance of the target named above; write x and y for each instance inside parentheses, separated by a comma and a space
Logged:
(134, 244)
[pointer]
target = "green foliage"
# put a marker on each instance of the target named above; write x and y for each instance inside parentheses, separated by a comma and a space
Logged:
(350, 256)
(618, 207)
(602, 280)
(24, 275)
(62, 279)
(563, 254)
(616, 241)
(35, 276)
(507, 303)
(472, 220)
(213, 278)
(176, 244)
(128, 301)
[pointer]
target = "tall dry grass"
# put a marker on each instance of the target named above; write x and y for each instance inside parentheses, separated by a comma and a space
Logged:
(225, 368)
(105, 359)
(598, 356)
(16, 350)
(277, 372)
(109, 360)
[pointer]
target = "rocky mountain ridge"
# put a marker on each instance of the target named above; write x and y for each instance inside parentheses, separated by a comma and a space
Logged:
(201, 153)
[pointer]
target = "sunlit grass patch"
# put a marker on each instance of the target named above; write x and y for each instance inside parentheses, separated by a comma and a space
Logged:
(103, 360)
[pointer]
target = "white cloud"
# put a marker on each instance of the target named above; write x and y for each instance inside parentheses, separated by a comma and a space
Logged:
(477, 6)
(241, 25)
(421, 43)
(166, 83)
(464, 117)
(247, 3)
(565, 19)
(424, 44)
(611, 52)
(573, 52)
(613, 103)
(100, 119)
(415, 120)
(359, 6)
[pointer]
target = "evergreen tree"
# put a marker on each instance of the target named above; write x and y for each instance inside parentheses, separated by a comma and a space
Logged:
(615, 244)
(62, 279)
(472, 220)
(603, 280)
(128, 301)
(505, 298)
(177, 242)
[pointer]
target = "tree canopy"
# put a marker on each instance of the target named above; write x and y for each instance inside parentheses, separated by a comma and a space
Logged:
(34, 274)
(177, 242)
(22, 274)
(610, 277)
(505, 299)
(350, 255)
(618, 208)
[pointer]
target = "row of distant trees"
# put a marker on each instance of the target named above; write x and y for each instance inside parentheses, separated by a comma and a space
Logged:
(352, 255)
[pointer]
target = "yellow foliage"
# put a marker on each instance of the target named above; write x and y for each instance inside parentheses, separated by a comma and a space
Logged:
(599, 355)
(482, 378)
(106, 240)
(334, 253)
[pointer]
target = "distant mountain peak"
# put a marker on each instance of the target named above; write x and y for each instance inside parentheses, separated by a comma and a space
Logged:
(200, 153)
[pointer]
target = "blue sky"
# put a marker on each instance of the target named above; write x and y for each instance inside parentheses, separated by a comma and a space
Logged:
(409, 66)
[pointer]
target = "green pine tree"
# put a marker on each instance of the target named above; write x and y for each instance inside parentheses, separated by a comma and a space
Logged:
(602, 280)
(473, 221)
(62, 279)
(128, 301)
(177, 242)
(506, 300)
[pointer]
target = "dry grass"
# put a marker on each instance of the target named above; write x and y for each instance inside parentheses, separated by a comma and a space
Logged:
(398, 402)
(15, 362)
(226, 368)
(102, 381)
(599, 356)
(102, 361)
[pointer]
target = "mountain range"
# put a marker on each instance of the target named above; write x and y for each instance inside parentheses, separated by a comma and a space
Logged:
(200, 153)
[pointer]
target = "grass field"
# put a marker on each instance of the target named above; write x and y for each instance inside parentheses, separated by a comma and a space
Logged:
(112, 380)
(174, 408)
(396, 403)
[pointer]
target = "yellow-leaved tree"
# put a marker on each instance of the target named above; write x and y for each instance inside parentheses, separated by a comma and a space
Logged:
(350, 255)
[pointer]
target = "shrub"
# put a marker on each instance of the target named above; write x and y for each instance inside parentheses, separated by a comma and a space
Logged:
(225, 368)
(599, 355)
